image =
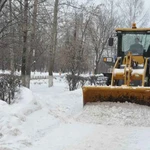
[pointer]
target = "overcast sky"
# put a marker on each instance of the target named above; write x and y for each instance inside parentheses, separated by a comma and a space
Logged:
(98, 1)
(146, 2)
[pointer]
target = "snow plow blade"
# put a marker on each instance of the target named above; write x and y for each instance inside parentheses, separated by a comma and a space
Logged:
(138, 95)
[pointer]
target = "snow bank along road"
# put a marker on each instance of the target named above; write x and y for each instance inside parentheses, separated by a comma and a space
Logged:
(54, 119)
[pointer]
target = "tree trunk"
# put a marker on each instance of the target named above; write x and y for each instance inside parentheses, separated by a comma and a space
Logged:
(2, 3)
(18, 65)
(25, 31)
(54, 44)
(96, 67)
(12, 66)
(32, 44)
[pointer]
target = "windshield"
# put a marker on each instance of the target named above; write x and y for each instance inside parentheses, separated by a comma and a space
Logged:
(136, 43)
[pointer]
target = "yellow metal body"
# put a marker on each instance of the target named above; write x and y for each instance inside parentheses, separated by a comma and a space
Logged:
(128, 74)
(133, 29)
(140, 95)
(137, 94)
(125, 72)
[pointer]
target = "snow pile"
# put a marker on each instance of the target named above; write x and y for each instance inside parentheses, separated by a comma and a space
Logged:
(54, 119)
(124, 114)
(33, 115)
(62, 104)
(12, 116)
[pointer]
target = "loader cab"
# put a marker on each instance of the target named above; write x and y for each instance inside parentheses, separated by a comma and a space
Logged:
(135, 40)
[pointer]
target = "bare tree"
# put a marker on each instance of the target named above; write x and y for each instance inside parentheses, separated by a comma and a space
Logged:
(2, 3)
(12, 67)
(74, 42)
(132, 11)
(25, 42)
(54, 43)
(31, 50)
(100, 30)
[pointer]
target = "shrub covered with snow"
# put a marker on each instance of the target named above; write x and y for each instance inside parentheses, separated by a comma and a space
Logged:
(75, 81)
(9, 85)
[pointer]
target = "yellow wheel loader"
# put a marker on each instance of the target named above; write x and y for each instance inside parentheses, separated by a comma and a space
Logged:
(130, 77)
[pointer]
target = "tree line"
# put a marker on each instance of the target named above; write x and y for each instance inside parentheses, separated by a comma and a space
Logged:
(54, 35)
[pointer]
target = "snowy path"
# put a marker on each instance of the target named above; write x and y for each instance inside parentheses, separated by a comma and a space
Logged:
(83, 134)
(56, 120)
(115, 138)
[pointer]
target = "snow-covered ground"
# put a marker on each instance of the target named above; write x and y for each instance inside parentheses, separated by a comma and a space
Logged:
(54, 119)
